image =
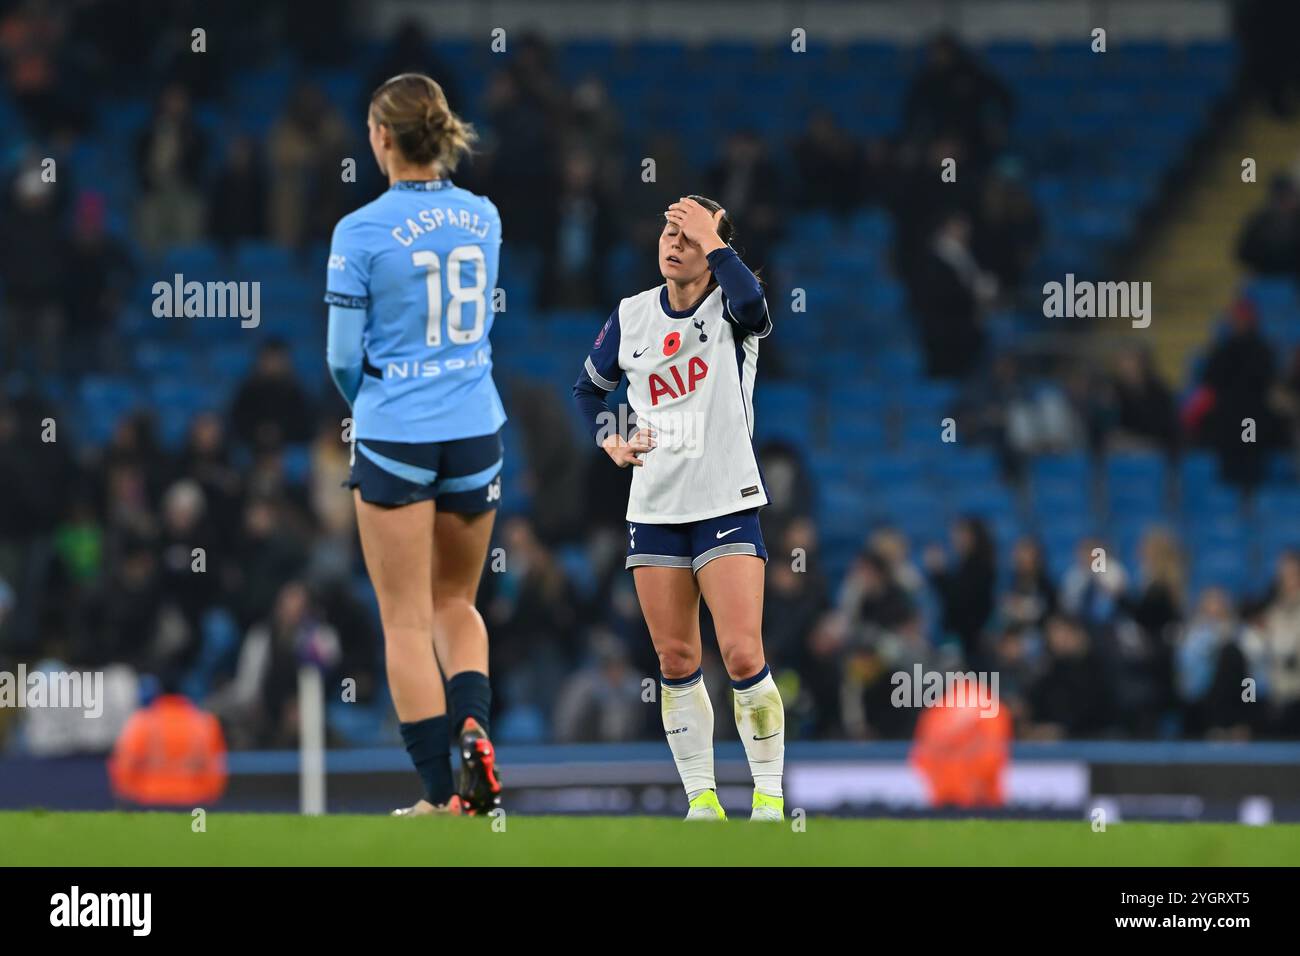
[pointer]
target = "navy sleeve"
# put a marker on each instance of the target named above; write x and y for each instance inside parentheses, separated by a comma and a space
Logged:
(746, 307)
(602, 361)
(591, 401)
(599, 376)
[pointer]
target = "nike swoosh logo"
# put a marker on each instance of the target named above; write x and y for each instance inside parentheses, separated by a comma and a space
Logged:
(723, 534)
(769, 736)
(639, 352)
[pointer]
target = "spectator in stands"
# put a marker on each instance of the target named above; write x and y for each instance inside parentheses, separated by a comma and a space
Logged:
(1093, 588)
(1144, 648)
(261, 704)
(75, 577)
(641, 205)
(1030, 596)
(306, 147)
(334, 513)
(790, 487)
(1211, 660)
(7, 597)
(954, 92)
(37, 477)
(747, 182)
(170, 157)
(594, 128)
(949, 296)
(891, 545)
(41, 80)
(985, 408)
(124, 621)
(965, 584)
(533, 67)
(1146, 414)
(920, 199)
(580, 232)
(870, 600)
(337, 604)
(237, 201)
(79, 543)
(525, 108)
(531, 609)
(269, 476)
(411, 50)
(98, 273)
(878, 171)
(1016, 657)
(796, 595)
(206, 460)
(1023, 418)
(1159, 604)
(1281, 632)
(1287, 400)
(1072, 697)
(1236, 385)
(1088, 407)
(554, 464)
(829, 164)
(821, 674)
(32, 268)
(267, 555)
(1008, 232)
(868, 690)
(271, 407)
(1267, 34)
(1269, 244)
(604, 497)
(129, 486)
(190, 584)
(601, 702)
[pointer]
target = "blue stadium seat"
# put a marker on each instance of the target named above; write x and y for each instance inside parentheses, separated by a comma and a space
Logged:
(199, 262)
(262, 260)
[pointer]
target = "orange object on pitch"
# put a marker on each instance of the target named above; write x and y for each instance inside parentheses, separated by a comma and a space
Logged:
(171, 753)
(961, 754)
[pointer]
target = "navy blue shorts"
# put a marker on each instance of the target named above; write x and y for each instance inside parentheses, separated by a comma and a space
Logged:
(463, 476)
(694, 544)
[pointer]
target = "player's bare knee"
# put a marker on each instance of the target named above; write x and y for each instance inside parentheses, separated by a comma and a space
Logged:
(678, 662)
(743, 659)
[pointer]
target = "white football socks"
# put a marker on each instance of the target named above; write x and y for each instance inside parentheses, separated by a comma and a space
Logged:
(688, 724)
(760, 719)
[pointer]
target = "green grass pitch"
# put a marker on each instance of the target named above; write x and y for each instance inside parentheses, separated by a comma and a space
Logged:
(118, 839)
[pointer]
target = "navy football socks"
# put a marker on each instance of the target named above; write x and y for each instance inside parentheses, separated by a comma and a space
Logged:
(469, 695)
(427, 743)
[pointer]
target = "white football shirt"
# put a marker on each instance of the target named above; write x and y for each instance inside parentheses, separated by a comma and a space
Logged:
(690, 378)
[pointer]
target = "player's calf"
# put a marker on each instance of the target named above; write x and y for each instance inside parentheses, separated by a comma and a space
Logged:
(688, 725)
(760, 720)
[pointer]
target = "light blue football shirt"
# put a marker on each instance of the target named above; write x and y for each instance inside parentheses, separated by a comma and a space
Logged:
(421, 260)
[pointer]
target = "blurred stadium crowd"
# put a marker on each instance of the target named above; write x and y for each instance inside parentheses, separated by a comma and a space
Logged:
(889, 547)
